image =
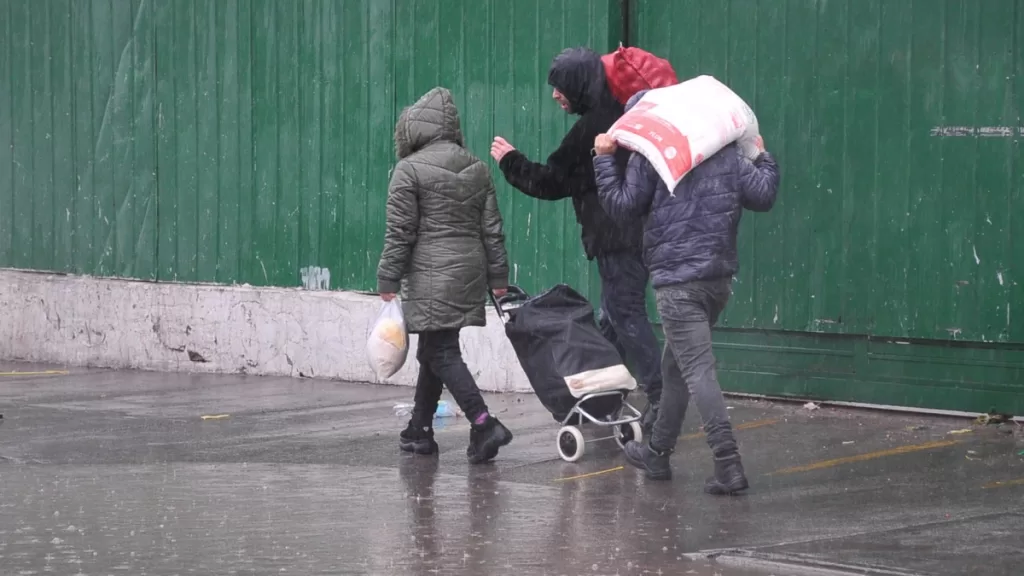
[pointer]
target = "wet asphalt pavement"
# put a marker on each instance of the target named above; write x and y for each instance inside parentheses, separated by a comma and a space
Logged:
(105, 472)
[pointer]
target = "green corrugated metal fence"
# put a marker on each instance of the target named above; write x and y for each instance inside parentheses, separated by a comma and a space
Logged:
(894, 220)
(897, 127)
(251, 140)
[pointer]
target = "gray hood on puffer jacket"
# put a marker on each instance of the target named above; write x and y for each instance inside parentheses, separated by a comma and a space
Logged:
(443, 244)
(434, 118)
(634, 99)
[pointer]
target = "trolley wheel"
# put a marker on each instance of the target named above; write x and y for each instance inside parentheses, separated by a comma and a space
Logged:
(628, 432)
(570, 443)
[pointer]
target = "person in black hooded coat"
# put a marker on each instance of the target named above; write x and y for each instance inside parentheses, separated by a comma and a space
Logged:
(580, 87)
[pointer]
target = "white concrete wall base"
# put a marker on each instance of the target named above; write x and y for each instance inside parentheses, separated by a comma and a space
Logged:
(109, 323)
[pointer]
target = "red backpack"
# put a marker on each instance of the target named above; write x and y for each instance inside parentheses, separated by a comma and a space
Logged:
(630, 70)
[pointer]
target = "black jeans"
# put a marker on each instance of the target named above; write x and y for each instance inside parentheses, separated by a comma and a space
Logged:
(688, 311)
(624, 320)
(441, 365)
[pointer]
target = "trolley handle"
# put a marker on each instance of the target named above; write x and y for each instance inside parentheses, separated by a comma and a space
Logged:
(513, 295)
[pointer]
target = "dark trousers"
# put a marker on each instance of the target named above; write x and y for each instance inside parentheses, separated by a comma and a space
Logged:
(441, 365)
(624, 320)
(688, 311)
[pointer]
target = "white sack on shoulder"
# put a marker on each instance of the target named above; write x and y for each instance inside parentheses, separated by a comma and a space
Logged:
(388, 343)
(678, 127)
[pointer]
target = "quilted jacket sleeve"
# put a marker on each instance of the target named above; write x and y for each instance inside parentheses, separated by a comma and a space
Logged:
(625, 199)
(401, 230)
(494, 241)
(759, 183)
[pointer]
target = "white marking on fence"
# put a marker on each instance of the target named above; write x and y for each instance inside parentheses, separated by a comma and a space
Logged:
(977, 131)
(315, 278)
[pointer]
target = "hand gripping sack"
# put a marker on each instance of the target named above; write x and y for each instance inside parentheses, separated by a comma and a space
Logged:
(630, 70)
(678, 127)
(388, 343)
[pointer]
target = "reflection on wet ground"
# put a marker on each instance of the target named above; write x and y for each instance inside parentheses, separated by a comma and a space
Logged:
(116, 473)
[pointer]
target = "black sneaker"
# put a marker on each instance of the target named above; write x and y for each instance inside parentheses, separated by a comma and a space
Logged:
(418, 440)
(654, 464)
(485, 440)
(729, 478)
(648, 418)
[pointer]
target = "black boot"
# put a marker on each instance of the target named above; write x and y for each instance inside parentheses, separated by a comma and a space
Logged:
(654, 464)
(729, 478)
(485, 440)
(418, 440)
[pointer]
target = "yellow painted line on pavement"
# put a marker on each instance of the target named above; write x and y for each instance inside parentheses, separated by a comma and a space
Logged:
(867, 456)
(591, 475)
(43, 373)
(744, 426)
(1017, 482)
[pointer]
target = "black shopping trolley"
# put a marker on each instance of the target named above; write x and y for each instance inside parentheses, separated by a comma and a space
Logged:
(575, 372)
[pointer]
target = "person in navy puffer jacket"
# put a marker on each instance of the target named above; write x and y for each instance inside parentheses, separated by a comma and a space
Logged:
(689, 245)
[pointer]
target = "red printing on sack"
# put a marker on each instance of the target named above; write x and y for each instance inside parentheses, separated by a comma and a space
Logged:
(671, 143)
